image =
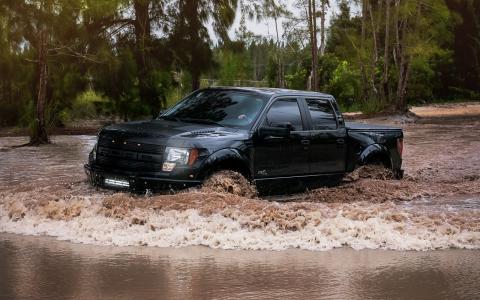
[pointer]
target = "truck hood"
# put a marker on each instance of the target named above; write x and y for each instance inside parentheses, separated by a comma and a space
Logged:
(172, 133)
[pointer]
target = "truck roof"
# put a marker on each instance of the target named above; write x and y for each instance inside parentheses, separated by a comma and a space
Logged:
(273, 91)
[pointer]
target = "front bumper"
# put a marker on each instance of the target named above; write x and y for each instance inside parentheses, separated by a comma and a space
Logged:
(137, 182)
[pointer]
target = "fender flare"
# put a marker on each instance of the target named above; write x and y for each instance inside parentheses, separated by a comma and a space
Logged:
(223, 158)
(374, 150)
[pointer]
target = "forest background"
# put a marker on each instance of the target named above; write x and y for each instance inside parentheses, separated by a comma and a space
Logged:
(67, 60)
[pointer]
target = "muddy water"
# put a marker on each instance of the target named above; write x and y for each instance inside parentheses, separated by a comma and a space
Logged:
(437, 206)
(42, 268)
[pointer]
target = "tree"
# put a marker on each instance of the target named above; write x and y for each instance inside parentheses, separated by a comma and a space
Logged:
(50, 29)
(419, 28)
(15, 86)
(323, 17)
(312, 28)
(393, 34)
(275, 10)
(464, 74)
(190, 40)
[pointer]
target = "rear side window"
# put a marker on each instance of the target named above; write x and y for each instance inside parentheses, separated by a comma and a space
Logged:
(283, 113)
(322, 114)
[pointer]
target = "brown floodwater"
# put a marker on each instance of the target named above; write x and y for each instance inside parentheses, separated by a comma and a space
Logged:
(43, 268)
(198, 243)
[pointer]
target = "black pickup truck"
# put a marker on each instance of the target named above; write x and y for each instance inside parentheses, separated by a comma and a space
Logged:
(266, 136)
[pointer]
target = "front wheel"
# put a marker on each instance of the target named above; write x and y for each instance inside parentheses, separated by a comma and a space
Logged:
(231, 182)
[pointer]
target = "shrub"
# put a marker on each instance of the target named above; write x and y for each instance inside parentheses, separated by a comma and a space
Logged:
(344, 84)
(297, 80)
(85, 105)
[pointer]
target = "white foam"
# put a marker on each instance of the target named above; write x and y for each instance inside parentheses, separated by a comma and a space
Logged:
(185, 228)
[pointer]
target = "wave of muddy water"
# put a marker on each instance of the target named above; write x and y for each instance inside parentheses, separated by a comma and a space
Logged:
(43, 191)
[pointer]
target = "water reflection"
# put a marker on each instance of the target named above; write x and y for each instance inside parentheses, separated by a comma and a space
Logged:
(40, 267)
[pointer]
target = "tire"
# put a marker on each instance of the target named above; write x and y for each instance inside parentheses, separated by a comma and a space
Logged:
(371, 171)
(231, 182)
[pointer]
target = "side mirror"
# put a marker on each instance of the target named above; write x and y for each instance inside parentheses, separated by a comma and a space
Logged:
(265, 131)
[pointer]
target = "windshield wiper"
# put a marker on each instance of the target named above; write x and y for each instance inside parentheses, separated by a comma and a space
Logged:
(202, 121)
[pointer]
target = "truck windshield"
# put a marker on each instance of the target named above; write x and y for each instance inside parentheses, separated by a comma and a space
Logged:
(223, 107)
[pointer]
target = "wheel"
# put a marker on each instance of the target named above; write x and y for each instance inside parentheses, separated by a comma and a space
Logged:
(228, 181)
(371, 171)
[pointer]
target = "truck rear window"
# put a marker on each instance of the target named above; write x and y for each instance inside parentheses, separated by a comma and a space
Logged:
(322, 114)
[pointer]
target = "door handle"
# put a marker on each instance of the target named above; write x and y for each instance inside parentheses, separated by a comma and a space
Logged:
(340, 141)
(305, 142)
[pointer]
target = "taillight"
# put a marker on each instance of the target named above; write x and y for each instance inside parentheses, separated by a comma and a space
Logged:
(400, 146)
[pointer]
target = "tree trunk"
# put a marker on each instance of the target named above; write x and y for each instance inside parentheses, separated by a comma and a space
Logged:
(312, 22)
(39, 134)
(385, 91)
(322, 27)
(362, 53)
(404, 72)
(315, 47)
(143, 44)
(280, 80)
(374, 34)
(195, 82)
(403, 64)
(396, 23)
(374, 28)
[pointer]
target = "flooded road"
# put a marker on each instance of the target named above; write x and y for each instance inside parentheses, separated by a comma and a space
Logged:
(43, 192)
(43, 268)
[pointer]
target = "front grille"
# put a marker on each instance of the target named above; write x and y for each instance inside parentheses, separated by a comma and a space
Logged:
(128, 165)
(120, 154)
(122, 144)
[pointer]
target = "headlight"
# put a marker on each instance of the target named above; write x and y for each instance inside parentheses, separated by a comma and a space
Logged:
(94, 150)
(178, 156)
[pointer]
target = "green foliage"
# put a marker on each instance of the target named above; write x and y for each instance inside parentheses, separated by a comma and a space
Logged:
(297, 80)
(421, 87)
(190, 37)
(344, 84)
(344, 34)
(327, 65)
(173, 96)
(85, 105)
(133, 58)
(233, 64)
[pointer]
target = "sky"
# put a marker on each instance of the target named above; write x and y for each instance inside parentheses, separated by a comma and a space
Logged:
(266, 28)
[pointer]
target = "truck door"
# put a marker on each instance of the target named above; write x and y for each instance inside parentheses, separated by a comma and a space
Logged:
(277, 156)
(328, 143)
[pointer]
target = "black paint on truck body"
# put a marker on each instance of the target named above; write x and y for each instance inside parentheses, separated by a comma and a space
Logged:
(135, 151)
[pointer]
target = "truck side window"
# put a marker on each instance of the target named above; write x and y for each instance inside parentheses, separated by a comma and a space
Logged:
(322, 114)
(284, 112)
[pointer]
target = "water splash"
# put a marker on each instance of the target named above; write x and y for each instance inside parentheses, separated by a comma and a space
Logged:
(232, 222)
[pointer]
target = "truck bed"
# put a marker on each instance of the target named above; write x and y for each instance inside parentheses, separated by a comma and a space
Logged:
(357, 126)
